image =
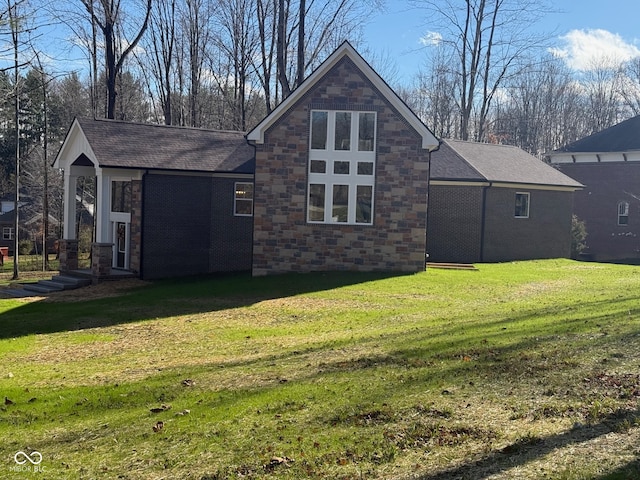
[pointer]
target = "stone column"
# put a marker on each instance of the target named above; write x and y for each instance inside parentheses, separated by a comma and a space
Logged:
(101, 260)
(68, 254)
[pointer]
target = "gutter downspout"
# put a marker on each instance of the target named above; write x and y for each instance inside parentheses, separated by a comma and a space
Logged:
(142, 189)
(484, 215)
(426, 222)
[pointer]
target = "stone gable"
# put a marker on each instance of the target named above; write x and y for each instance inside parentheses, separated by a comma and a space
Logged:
(285, 242)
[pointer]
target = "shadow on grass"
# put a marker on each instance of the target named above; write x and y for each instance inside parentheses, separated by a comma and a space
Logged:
(531, 448)
(171, 297)
(630, 471)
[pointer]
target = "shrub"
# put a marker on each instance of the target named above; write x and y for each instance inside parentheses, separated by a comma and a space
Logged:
(578, 236)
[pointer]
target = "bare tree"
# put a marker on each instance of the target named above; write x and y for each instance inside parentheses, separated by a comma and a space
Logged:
(107, 16)
(485, 38)
(629, 85)
(161, 47)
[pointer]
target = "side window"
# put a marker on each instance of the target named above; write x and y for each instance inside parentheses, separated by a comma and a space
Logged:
(522, 205)
(623, 213)
(243, 199)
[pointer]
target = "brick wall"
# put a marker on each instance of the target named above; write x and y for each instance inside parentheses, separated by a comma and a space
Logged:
(454, 228)
(285, 242)
(607, 184)
(545, 234)
(190, 229)
(135, 241)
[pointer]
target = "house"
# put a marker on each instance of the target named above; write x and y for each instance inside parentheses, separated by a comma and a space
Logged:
(341, 179)
(335, 178)
(7, 231)
(608, 164)
(170, 201)
(494, 203)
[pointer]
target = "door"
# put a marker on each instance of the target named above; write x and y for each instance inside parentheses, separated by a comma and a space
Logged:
(122, 245)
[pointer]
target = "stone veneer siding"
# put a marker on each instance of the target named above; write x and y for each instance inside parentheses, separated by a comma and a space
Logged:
(283, 241)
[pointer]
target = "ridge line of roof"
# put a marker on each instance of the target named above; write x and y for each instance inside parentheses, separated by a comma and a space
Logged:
(159, 125)
(462, 157)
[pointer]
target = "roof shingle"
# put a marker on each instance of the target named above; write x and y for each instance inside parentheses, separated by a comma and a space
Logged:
(623, 137)
(160, 147)
(469, 161)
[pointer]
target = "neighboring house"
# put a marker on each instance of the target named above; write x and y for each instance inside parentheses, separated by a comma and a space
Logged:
(170, 201)
(608, 164)
(7, 230)
(341, 181)
(494, 203)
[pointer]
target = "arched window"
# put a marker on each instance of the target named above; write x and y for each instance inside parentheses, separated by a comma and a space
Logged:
(623, 213)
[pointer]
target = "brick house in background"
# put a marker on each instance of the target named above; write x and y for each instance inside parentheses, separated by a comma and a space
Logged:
(608, 164)
(494, 203)
(341, 180)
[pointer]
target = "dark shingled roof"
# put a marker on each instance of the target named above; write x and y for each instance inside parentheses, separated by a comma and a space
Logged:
(623, 137)
(160, 147)
(481, 162)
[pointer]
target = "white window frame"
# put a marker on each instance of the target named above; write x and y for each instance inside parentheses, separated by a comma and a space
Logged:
(528, 197)
(623, 212)
(8, 233)
(242, 199)
(352, 180)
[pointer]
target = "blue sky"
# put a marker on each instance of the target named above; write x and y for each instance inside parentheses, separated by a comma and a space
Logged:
(584, 30)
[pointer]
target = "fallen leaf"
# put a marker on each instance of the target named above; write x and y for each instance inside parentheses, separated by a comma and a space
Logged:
(161, 408)
(158, 426)
(7, 401)
(188, 383)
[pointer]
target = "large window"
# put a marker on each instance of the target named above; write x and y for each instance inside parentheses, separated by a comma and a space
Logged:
(243, 200)
(623, 213)
(522, 205)
(341, 167)
(7, 233)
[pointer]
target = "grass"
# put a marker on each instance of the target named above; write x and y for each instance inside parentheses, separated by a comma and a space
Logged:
(518, 370)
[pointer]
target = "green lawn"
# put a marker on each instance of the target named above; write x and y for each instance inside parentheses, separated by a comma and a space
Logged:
(519, 370)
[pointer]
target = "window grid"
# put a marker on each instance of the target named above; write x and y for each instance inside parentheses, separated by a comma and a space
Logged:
(522, 205)
(341, 167)
(243, 199)
(623, 213)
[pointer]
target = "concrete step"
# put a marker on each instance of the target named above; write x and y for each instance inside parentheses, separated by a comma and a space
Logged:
(71, 282)
(16, 293)
(451, 266)
(39, 288)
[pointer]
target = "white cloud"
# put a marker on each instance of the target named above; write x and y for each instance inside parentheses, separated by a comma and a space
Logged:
(431, 39)
(589, 49)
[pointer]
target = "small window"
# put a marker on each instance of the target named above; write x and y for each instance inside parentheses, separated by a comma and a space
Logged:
(623, 213)
(343, 131)
(121, 196)
(319, 130)
(522, 205)
(316, 202)
(366, 131)
(7, 233)
(243, 201)
(318, 166)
